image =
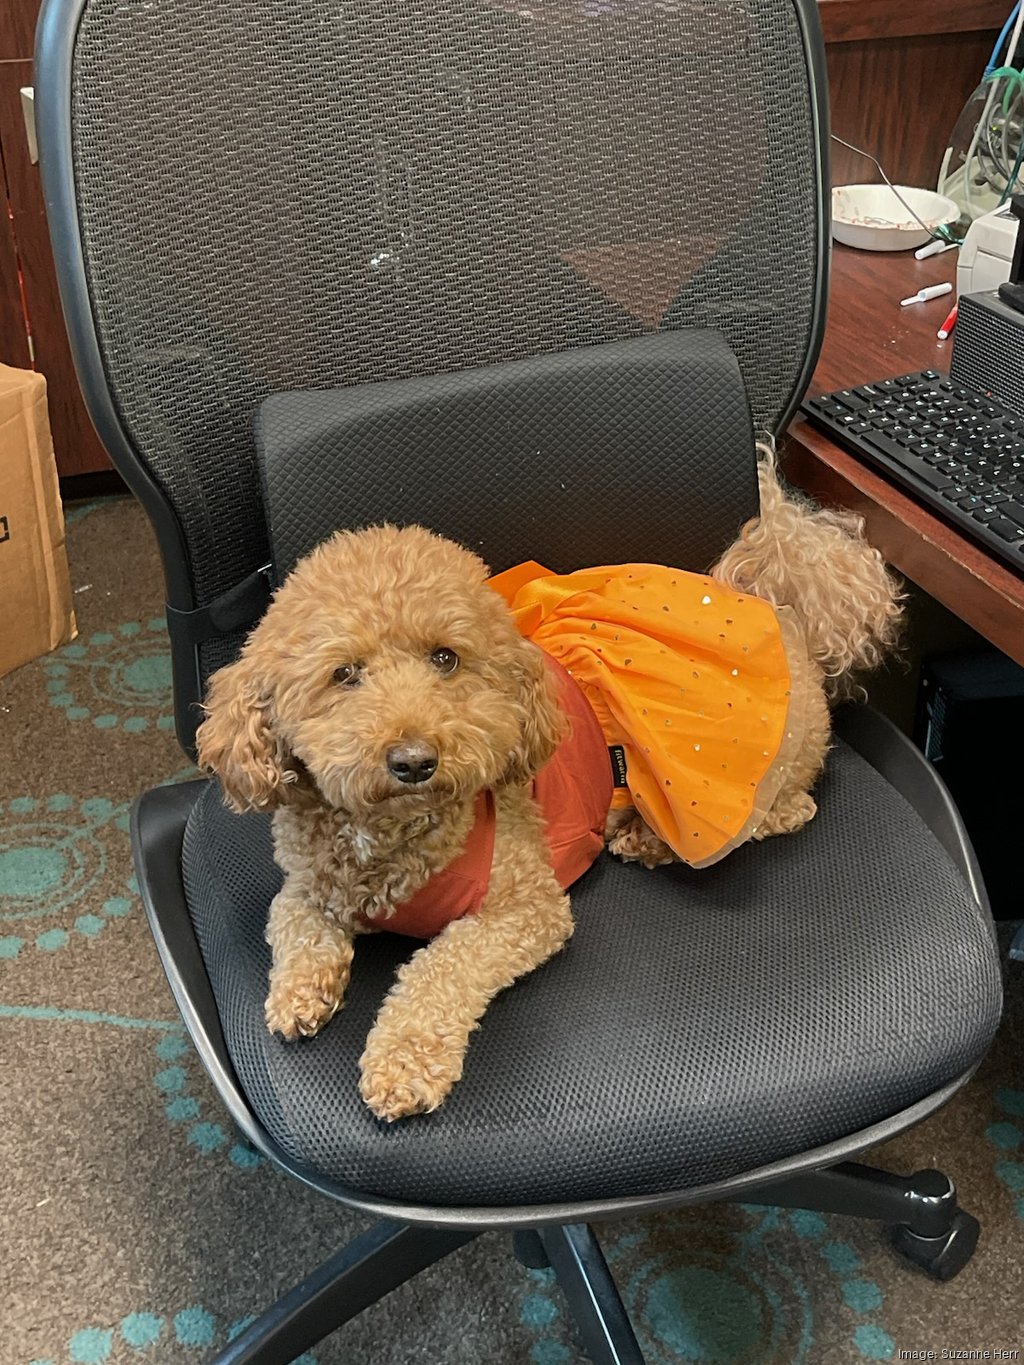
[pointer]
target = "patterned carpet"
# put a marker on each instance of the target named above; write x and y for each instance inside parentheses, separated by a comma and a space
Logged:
(137, 1229)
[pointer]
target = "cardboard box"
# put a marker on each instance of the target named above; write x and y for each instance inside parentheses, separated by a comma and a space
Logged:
(35, 591)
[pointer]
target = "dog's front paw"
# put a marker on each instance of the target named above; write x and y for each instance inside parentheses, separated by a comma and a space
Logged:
(635, 842)
(300, 1004)
(407, 1075)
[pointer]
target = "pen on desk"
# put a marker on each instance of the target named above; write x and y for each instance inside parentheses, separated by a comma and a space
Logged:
(933, 291)
(934, 248)
(949, 324)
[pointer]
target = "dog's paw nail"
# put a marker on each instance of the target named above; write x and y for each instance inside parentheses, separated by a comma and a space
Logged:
(409, 1080)
(389, 1100)
(300, 1012)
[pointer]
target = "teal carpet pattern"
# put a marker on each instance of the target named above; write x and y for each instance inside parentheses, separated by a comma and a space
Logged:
(138, 1230)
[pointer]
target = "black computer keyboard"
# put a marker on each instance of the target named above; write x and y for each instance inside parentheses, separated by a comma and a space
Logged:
(955, 449)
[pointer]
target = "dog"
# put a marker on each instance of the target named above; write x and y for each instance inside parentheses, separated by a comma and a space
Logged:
(389, 707)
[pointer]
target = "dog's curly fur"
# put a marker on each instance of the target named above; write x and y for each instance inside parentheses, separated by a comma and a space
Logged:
(287, 732)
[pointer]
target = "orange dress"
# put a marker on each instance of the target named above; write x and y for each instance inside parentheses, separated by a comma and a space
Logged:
(689, 677)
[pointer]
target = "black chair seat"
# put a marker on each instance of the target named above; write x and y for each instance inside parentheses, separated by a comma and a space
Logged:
(698, 1025)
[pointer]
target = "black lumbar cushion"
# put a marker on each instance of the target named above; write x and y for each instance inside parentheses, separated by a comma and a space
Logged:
(599, 455)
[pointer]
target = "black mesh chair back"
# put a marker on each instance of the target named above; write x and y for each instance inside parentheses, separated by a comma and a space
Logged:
(254, 197)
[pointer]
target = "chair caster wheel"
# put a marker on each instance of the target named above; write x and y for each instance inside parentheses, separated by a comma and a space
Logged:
(940, 1257)
(529, 1249)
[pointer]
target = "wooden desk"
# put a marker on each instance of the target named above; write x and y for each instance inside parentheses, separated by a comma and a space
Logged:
(869, 336)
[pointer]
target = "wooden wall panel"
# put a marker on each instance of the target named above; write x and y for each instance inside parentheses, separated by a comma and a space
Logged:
(75, 442)
(13, 341)
(845, 21)
(17, 29)
(899, 99)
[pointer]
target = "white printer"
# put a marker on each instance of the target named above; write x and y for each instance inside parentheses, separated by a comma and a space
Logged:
(987, 251)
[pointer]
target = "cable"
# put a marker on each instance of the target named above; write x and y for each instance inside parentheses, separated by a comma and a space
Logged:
(1013, 106)
(983, 121)
(1012, 178)
(992, 61)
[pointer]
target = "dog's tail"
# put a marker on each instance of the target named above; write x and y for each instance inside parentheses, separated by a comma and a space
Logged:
(817, 562)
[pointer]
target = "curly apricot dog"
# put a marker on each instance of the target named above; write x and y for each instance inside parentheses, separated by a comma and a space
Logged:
(388, 706)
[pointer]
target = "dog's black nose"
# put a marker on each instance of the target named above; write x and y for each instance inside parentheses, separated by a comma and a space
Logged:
(414, 761)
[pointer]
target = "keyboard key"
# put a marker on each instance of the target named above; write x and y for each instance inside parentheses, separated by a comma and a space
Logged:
(826, 406)
(931, 477)
(1004, 529)
(1015, 511)
(985, 514)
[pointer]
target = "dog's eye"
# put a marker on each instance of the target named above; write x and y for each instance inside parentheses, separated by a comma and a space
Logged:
(445, 660)
(347, 675)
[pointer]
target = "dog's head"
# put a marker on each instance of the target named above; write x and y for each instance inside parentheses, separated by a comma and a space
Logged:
(384, 671)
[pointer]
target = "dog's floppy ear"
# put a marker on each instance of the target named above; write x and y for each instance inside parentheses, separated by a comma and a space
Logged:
(543, 723)
(237, 739)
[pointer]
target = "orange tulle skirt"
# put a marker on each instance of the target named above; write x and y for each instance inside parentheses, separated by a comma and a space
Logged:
(688, 676)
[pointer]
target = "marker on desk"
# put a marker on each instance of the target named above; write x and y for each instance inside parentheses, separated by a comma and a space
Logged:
(949, 324)
(934, 248)
(934, 291)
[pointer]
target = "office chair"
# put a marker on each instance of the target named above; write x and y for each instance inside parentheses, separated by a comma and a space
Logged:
(533, 257)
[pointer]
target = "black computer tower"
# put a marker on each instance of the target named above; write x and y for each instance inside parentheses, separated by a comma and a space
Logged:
(970, 724)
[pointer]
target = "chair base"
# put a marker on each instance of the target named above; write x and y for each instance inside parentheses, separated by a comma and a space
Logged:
(354, 1277)
(927, 1227)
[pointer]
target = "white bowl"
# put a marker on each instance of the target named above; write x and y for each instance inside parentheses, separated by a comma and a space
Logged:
(871, 216)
